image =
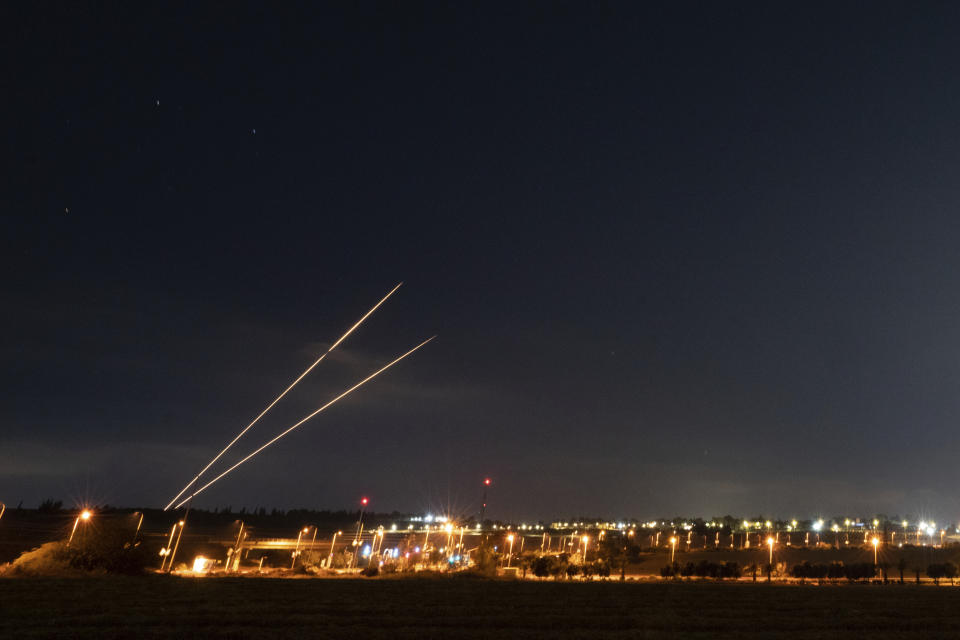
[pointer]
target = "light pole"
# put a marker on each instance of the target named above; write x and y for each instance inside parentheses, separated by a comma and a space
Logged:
(296, 551)
(673, 547)
(3, 508)
(176, 546)
(449, 529)
(84, 515)
(236, 547)
(770, 543)
(356, 542)
(363, 506)
(137, 532)
(875, 543)
(332, 542)
(165, 552)
(510, 555)
(426, 537)
(586, 541)
(374, 549)
(483, 503)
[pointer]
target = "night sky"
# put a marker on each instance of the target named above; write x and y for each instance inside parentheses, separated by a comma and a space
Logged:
(697, 259)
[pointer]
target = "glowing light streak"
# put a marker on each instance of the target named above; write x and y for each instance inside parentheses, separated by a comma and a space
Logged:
(342, 395)
(285, 391)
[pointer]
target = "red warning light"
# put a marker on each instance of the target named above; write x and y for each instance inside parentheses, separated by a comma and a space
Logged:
(364, 501)
(486, 481)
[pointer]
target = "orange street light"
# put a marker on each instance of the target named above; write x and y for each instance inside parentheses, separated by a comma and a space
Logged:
(770, 544)
(137, 532)
(296, 551)
(875, 542)
(164, 552)
(84, 515)
(673, 547)
(510, 555)
(176, 545)
(333, 542)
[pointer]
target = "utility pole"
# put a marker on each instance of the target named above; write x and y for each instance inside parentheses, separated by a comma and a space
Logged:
(483, 503)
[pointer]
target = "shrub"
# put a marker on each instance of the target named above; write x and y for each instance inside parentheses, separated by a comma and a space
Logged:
(485, 559)
(105, 548)
(587, 569)
(48, 559)
(730, 570)
(542, 566)
(949, 571)
(859, 571)
(603, 569)
(558, 566)
(835, 571)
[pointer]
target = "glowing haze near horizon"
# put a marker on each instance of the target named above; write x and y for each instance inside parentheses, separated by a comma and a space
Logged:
(689, 260)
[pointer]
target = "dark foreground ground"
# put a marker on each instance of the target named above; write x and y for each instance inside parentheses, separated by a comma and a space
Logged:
(467, 608)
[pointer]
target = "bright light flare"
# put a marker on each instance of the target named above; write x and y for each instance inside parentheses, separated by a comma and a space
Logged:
(85, 514)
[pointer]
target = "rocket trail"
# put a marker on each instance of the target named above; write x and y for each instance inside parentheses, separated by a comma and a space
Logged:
(270, 406)
(345, 393)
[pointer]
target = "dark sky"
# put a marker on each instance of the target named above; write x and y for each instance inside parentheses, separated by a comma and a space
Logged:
(697, 259)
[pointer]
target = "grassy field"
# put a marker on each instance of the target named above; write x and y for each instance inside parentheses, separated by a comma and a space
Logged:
(159, 606)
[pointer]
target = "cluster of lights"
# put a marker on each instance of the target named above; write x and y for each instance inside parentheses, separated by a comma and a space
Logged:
(429, 518)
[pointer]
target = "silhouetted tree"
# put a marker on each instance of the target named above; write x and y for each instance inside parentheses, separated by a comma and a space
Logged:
(541, 566)
(883, 571)
(485, 558)
(835, 571)
(603, 570)
(50, 506)
(859, 571)
(558, 568)
(949, 571)
(730, 570)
